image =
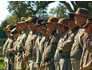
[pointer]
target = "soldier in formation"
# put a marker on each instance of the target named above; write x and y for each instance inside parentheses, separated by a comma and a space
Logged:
(53, 44)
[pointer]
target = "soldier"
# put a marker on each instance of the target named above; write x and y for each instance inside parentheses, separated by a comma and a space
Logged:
(65, 45)
(81, 16)
(11, 51)
(19, 44)
(64, 28)
(29, 57)
(86, 58)
(48, 32)
(50, 47)
(8, 44)
(39, 44)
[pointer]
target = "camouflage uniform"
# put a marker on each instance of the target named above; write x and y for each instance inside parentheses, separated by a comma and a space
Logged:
(57, 54)
(48, 54)
(40, 41)
(65, 48)
(76, 50)
(19, 44)
(86, 58)
(29, 53)
(8, 56)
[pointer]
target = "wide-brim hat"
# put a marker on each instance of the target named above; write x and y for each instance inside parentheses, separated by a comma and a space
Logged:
(52, 19)
(40, 22)
(63, 21)
(82, 12)
(13, 31)
(89, 21)
(71, 16)
(33, 19)
(10, 27)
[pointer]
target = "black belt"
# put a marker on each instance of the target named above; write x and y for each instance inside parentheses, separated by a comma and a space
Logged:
(20, 51)
(65, 56)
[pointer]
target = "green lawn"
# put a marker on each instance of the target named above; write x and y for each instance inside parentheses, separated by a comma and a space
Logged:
(1, 63)
(1, 58)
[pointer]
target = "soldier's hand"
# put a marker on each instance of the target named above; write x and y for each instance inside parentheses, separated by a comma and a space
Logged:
(38, 65)
(4, 64)
(25, 59)
(81, 68)
(42, 68)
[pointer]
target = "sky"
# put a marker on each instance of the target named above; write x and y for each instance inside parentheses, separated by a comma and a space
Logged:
(4, 12)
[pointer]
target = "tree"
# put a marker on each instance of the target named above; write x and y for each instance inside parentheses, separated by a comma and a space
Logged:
(27, 8)
(78, 4)
(59, 11)
(11, 19)
(39, 8)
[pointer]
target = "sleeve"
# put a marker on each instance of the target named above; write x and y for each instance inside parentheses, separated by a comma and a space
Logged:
(66, 46)
(5, 47)
(89, 44)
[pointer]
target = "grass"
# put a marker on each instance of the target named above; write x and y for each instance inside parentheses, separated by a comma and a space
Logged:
(1, 63)
(1, 58)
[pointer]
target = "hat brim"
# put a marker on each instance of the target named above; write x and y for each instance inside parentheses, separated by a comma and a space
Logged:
(81, 15)
(85, 25)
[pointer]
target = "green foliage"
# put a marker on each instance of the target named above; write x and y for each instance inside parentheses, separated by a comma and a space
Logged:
(11, 19)
(28, 8)
(59, 11)
(7, 21)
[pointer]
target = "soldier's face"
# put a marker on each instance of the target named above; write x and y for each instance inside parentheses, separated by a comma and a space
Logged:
(8, 33)
(89, 28)
(32, 26)
(72, 24)
(50, 28)
(42, 29)
(60, 28)
(18, 28)
(63, 30)
(16, 35)
(79, 20)
(24, 26)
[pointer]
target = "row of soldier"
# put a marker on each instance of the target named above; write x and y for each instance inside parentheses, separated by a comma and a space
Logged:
(53, 44)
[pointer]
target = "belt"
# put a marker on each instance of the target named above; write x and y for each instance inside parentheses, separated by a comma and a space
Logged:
(20, 51)
(65, 56)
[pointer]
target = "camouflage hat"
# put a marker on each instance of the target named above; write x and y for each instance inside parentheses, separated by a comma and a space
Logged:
(52, 19)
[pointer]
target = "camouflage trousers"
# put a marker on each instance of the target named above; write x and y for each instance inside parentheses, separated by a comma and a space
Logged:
(31, 65)
(49, 66)
(57, 65)
(65, 64)
(6, 63)
(75, 64)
